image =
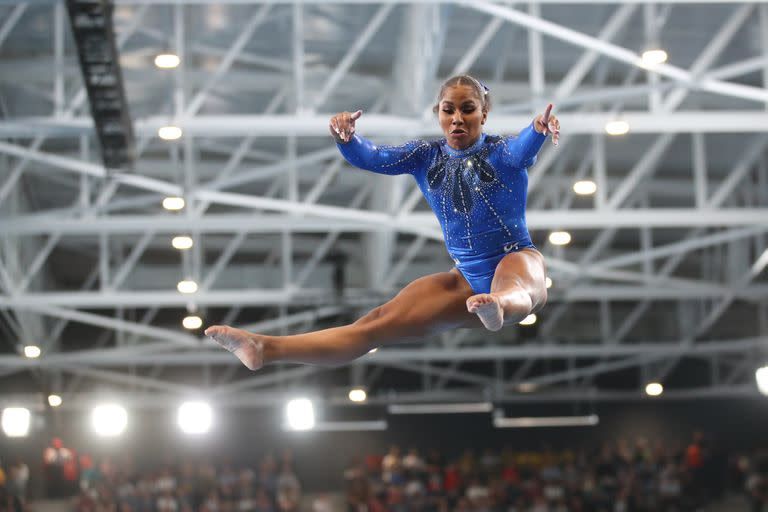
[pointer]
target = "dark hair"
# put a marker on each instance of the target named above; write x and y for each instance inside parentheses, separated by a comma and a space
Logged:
(480, 89)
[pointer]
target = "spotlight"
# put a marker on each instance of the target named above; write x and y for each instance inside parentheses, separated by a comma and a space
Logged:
(548, 281)
(585, 187)
(32, 351)
(192, 322)
(357, 395)
(169, 132)
(373, 350)
(109, 420)
(173, 203)
(617, 128)
(187, 286)
(529, 320)
(652, 58)
(300, 414)
(167, 61)
(195, 417)
(761, 376)
(182, 242)
(54, 400)
(654, 389)
(16, 421)
(559, 238)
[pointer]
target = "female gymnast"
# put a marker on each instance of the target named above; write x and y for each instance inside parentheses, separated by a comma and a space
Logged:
(476, 184)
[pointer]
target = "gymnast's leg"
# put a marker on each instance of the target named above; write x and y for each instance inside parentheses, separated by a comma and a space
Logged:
(427, 306)
(518, 289)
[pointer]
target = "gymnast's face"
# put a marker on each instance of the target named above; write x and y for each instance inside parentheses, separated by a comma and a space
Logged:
(461, 115)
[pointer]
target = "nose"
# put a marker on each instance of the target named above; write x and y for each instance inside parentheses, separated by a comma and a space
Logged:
(456, 118)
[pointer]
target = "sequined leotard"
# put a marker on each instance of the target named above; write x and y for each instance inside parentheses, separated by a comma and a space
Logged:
(477, 193)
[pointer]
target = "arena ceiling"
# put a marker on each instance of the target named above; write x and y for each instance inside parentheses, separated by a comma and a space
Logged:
(664, 278)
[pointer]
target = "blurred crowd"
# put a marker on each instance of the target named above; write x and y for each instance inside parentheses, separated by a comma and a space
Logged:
(14, 479)
(637, 476)
(619, 477)
(270, 486)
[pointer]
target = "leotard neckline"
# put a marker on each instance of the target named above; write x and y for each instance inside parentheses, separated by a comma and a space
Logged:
(474, 148)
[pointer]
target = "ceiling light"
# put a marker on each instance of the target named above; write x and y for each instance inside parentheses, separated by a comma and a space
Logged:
(182, 242)
(652, 58)
(300, 414)
(547, 421)
(16, 421)
(54, 400)
(527, 387)
(192, 322)
(357, 395)
(169, 132)
(173, 203)
(167, 61)
(761, 376)
(529, 320)
(616, 127)
(32, 351)
(187, 286)
(559, 238)
(654, 389)
(109, 420)
(458, 408)
(195, 417)
(585, 187)
(373, 350)
(350, 426)
(548, 282)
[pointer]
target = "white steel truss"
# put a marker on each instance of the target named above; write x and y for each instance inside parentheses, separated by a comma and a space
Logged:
(665, 273)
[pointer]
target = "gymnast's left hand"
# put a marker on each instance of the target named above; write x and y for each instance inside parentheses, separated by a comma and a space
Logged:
(548, 123)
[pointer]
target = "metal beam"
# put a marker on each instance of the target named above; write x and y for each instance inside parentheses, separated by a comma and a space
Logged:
(308, 125)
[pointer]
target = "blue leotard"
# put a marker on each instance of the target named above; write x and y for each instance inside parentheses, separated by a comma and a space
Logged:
(477, 193)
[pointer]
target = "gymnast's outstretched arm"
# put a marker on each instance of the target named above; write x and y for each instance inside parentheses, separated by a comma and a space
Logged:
(381, 159)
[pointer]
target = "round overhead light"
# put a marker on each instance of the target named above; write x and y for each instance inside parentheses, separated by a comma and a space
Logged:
(192, 322)
(54, 400)
(585, 187)
(559, 238)
(529, 320)
(109, 420)
(195, 417)
(15, 421)
(761, 376)
(548, 282)
(187, 286)
(182, 242)
(169, 132)
(357, 395)
(300, 414)
(654, 389)
(167, 61)
(32, 351)
(652, 58)
(617, 127)
(173, 203)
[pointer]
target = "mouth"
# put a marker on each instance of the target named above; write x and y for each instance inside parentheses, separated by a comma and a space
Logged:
(458, 132)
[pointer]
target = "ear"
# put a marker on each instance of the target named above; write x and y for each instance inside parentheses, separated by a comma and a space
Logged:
(485, 116)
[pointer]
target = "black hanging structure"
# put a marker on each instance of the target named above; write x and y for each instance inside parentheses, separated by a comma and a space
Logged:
(94, 36)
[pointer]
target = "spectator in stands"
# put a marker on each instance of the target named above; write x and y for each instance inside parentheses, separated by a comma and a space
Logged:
(757, 485)
(16, 482)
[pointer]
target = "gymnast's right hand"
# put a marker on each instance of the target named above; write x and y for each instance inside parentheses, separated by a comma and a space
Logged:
(342, 126)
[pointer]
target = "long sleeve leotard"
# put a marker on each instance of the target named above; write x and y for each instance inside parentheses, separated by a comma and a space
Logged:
(478, 194)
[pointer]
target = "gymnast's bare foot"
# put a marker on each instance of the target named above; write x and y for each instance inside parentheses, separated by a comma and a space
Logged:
(248, 347)
(488, 308)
